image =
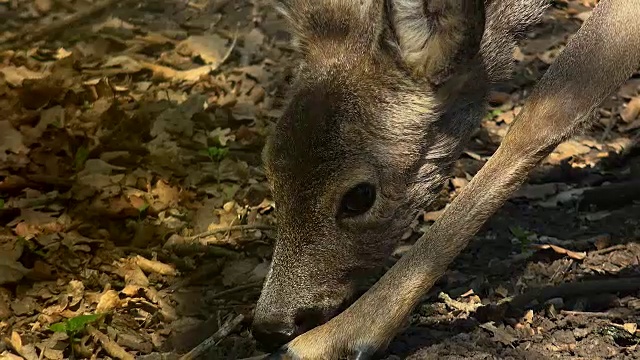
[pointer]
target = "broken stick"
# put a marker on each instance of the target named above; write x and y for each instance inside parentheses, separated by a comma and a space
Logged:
(211, 341)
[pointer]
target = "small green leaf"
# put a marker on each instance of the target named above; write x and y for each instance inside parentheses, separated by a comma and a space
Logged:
(80, 322)
(73, 325)
(58, 327)
(81, 156)
(144, 207)
(518, 232)
(1, 203)
(217, 153)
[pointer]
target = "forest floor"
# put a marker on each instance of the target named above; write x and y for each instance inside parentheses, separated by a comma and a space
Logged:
(136, 222)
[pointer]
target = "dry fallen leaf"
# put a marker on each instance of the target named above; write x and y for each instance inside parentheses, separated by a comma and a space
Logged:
(499, 334)
(631, 111)
(110, 346)
(168, 73)
(222, 136)
(254, 40)
(26, 351)
(25, 306)
(154, 266)
(133, 275)
(43, 6)
(178, 120)
(16, 75)
(210, 48)
(568, 149)
(122, 65)
(75, 290)
(11, 270)
(108, 302)
(239, 272)
(8, 356)
(583, 16)
(527, 318)
(166, 195)
(631, 328)
(114, 23)
(10, 141)
(5, 304)
(560, 250)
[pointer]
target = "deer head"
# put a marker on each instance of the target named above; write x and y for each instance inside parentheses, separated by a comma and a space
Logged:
(383, 100)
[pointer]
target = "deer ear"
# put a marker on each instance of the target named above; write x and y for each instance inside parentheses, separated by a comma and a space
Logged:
(437, 36)
(357, 22)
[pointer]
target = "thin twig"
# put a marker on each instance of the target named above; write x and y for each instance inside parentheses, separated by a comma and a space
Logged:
(591, 314)
(231, 47)
(212, 340)
(230, 228)
(607, 250)
(235, 290)
(607, 131)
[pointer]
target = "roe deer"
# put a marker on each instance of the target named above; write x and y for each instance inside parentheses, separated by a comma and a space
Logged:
(384, 99)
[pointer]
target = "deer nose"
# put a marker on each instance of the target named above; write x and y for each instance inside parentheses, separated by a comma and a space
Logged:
(270, 335)
(274, 330)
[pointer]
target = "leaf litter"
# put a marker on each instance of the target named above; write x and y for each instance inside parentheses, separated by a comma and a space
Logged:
(130, 159)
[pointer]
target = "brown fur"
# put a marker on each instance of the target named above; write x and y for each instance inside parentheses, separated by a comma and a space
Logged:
(598, 59)
(370, 104)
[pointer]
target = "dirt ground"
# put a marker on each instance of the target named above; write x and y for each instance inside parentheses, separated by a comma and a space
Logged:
(136, 222)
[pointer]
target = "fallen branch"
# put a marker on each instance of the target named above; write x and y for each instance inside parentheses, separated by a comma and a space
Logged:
(229, 229)
(608, 249)
(29, 35)
(211, 341)
(613, 195)
(608, 315)
(188, 249)
(575, 289)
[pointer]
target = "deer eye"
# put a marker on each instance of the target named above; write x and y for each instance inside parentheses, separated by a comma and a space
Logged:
(358, 200)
